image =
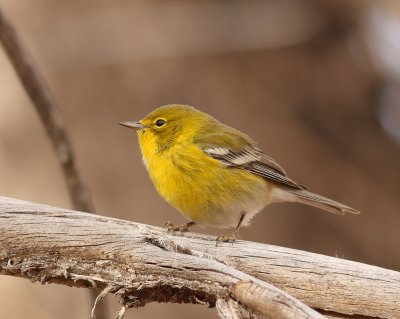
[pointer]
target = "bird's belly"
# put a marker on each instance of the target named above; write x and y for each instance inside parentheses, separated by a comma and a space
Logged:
(209, 193)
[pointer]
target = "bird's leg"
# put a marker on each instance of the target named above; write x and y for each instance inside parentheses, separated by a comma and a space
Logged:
(181, 228)
(232, 237)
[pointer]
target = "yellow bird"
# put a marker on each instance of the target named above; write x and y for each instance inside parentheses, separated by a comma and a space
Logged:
(214, 174)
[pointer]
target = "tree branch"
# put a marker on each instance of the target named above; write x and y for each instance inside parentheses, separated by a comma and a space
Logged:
(231, 309)
(45, 105)
(37, 89)
(144, 264)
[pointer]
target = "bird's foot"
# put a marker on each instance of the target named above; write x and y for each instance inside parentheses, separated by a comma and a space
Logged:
(227, 238)
(180, 228)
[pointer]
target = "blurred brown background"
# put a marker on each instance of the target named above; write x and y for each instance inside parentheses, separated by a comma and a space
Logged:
(317, 83)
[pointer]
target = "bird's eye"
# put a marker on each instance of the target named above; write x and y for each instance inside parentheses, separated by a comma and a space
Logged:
(160, 122)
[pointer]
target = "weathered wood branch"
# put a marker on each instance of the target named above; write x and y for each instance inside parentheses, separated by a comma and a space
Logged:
(139, 263)
(143, 264)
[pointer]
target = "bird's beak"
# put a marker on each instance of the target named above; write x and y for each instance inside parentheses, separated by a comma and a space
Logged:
(134, 125)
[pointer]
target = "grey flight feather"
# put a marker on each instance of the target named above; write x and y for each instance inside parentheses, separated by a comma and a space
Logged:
(312, 199)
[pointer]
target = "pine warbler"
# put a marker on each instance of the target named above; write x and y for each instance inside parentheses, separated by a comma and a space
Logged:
(214, 174)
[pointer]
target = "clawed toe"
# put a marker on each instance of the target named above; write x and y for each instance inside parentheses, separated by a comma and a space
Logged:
(180, 228)
(227, 238)
(168, 225)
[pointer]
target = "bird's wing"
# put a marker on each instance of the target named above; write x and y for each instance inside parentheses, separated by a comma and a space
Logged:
(236, 150)
(254, 161)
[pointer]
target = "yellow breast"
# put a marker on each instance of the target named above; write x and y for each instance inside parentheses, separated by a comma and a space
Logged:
(200, 187)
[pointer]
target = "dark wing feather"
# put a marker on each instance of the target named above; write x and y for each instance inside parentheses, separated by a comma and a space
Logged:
(254, 161)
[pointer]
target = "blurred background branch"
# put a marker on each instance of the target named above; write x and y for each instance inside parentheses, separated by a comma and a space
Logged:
(44, 103)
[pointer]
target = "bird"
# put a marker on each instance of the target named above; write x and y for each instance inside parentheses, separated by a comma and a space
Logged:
(213, 174)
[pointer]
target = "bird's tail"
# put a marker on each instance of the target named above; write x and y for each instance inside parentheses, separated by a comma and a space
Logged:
(308, 198)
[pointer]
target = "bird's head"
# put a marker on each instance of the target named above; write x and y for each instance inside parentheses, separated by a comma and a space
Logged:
(167, 124)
